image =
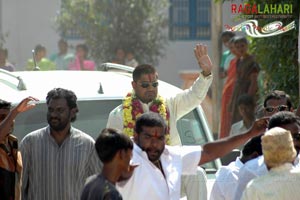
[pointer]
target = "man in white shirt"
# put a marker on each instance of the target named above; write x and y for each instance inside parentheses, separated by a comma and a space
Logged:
(158, 175)
(227, 176)
(282, 180)
(145, 97)
(246, 106)
(274, 102)
(257, 167)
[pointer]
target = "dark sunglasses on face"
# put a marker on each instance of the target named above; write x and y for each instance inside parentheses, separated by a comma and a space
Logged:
(146, 84)
(278, 108)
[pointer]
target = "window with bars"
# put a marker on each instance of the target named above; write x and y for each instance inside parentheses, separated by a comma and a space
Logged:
(189, 19)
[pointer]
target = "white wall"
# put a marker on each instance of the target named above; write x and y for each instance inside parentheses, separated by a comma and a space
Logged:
(179, 57)
(31, 22)
(28, 23)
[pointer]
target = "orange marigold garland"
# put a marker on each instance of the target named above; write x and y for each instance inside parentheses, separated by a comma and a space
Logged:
(132, 109)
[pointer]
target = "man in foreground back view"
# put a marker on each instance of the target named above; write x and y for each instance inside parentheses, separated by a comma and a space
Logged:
(282, 179)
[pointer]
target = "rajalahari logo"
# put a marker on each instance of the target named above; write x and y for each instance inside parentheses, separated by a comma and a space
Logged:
(252, 29)
(264, 9)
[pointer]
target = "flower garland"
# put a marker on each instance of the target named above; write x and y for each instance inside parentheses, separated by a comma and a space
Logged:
(132, 109)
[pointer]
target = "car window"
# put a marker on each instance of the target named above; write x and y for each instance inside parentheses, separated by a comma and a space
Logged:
(92, 117)
(192, 132)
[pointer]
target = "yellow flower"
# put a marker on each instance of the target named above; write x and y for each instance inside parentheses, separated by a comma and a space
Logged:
(158, 105)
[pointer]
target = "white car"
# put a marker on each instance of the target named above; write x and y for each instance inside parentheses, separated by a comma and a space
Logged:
(98, 93)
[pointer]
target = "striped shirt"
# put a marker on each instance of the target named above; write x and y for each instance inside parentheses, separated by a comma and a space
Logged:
(53, 172)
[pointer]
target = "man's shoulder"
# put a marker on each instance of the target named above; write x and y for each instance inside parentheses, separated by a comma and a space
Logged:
(254, 163)
(255, 166)
(79, 134)
(237, 126)
(35, 135)
(181, 150)
(93, 179)
(117, 110)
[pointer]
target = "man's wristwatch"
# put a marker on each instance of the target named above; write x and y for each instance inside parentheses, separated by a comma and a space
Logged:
(205, 74)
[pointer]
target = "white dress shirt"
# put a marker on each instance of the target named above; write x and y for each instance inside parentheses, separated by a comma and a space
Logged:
(178, 106)
(252, 169)
(280, 183)
(226, 181)
(238, 128)
(148, 182)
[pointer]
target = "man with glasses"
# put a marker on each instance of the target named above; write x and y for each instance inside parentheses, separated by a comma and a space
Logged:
(145, 97)
(276, 101)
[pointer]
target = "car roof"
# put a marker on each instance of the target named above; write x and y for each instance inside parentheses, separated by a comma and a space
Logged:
(85, 84)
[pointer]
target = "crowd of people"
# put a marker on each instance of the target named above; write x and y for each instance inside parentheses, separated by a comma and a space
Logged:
(241, 71)
(139, 154)
(271, 156)
(64, 59)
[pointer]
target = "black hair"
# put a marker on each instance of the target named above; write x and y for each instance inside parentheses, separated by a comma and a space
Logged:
(142, 69)
(84, 47)
(5, 104)
(245, 99)
(229, 34)
(240, 39)
(39, 48)
(283, 118)
(278, 94)
(58, 93)
(253, 145)
(149, 119)
(109, 142)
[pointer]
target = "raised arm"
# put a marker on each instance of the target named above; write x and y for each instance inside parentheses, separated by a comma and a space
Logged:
(6, 124)
(203, 59)
(220, 148)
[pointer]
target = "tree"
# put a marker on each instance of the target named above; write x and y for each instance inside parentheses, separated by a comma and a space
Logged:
(278, 55)
(105, 25)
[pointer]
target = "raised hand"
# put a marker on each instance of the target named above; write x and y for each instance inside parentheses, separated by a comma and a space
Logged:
(203, 59)
(26, 104)
(259, 126)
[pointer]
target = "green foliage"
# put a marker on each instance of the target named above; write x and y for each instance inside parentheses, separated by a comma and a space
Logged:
(278, 55)
(105, 25)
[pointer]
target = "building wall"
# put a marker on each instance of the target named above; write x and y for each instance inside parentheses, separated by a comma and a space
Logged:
(31, 22)
(28, 23)
(179, 58)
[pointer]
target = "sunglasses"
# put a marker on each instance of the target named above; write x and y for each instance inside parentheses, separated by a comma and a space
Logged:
(146, 84)
(278, 108)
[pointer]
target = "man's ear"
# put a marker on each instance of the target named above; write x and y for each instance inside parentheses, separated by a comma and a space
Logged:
(122, 153)
(73, 112)
(133, 84)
